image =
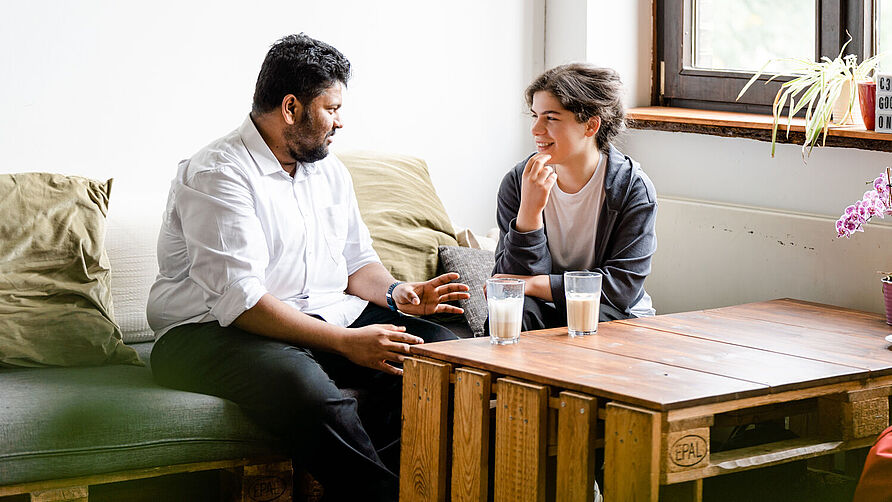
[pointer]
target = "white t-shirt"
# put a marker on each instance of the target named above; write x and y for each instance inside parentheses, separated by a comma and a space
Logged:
(237, 226)
(572, 243)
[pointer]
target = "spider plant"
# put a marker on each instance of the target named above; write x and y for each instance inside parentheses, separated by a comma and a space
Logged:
(816, 87)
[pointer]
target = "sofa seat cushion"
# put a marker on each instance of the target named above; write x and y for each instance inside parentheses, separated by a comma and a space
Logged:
(65, 422)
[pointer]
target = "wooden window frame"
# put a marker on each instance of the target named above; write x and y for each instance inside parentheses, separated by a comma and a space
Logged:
(679, 84)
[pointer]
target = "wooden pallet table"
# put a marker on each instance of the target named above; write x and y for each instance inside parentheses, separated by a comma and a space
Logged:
(648, 391)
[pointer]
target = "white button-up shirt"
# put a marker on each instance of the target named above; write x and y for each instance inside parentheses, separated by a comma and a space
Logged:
(237, 226)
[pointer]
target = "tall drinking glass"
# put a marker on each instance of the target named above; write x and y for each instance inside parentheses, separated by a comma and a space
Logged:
(504, 298)
(583, 293)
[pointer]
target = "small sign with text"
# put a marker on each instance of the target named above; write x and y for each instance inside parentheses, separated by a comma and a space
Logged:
(884, 103)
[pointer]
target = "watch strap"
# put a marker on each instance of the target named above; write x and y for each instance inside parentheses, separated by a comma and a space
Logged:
(390, 301)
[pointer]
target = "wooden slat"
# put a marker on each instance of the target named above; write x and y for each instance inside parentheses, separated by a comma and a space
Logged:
(768, 454)
(551, 431)
(854, 463)
(470, 435)
(766, 413)
(129, 475)
(520, 442)
(803, 313)
(632, 450)
(684, 447)
(779, 371)
(268, 482)
(423, 440)
(594, 372)
(769, 399)
(576, 447)
(70, 494)
(686, 450)
(864, 326)
(691, 491)
(854, 348)
(851, 419)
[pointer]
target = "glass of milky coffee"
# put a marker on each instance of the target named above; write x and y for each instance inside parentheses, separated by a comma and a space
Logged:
(504, 297)
(583, 293)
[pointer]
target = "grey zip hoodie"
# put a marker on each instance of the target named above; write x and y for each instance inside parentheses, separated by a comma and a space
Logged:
(625, 240)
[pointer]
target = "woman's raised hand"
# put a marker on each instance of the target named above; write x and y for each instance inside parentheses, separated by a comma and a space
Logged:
(536, 183)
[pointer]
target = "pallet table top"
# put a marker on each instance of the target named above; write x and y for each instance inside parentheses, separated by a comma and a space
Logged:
(695, 358)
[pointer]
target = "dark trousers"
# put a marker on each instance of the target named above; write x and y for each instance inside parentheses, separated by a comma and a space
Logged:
(295, 393)
(539, 314)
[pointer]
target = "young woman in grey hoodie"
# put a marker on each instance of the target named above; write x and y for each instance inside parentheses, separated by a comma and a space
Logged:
(578, 203)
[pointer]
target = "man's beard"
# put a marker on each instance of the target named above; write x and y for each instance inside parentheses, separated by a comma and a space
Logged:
(300, 141)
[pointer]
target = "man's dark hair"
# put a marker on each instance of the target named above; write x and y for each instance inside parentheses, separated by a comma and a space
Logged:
(587, 91)
(299, 65)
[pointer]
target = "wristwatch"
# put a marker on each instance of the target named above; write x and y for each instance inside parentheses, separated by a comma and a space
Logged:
(390, 302)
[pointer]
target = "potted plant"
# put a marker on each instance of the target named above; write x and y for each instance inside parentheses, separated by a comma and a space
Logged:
(816, 89)
(876, 202)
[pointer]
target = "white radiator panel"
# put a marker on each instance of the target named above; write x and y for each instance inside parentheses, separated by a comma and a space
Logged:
(713, 255)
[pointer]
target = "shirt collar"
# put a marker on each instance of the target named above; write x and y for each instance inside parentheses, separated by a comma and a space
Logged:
(305, 169)
(258, 149)
(264, 157)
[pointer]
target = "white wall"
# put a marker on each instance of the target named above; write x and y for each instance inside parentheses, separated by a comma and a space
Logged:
(565, 31)
(126, 89)
(605, 33)
(712, 255)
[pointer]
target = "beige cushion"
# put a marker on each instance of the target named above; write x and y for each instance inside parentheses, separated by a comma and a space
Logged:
(468, 239)
(55, 298)
(401, 208)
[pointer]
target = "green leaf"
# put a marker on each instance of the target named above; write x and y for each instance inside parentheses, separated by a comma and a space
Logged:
(754, 78)
(808, 97)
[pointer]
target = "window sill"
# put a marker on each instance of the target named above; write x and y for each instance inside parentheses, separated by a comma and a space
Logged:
(751, 126)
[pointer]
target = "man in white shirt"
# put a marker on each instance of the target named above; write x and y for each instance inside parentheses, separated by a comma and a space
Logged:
(270, 293)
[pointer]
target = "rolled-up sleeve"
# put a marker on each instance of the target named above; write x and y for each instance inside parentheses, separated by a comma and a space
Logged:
(225, 241)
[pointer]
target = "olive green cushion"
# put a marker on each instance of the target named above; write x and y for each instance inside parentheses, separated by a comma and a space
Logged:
(55, 297)
(402, 211)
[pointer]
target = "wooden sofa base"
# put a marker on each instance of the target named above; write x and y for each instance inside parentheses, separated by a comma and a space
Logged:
(268, 479)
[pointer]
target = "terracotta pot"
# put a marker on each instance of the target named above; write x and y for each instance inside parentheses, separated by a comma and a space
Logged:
(867, 97)
(887, 294)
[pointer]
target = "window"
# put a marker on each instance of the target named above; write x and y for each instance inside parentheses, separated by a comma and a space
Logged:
(708, 49)
(883, 28)
(743, 35)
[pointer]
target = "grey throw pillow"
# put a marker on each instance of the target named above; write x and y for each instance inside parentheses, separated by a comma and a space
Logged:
(474, 266)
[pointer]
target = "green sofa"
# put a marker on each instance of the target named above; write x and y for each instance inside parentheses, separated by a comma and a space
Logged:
(64, 430)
